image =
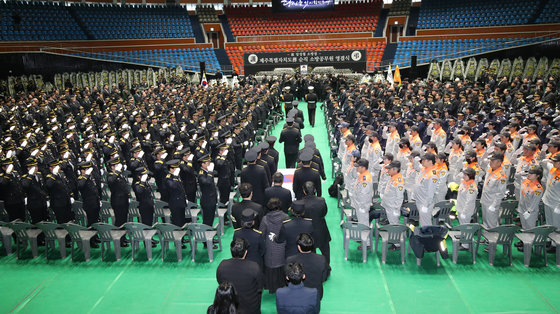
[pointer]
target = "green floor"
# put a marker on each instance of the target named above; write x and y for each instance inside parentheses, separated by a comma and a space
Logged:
(63, 286)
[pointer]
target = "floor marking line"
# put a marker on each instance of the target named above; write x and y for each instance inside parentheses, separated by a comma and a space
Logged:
(458, 290)
(32, 294)
(109, 288)
(538, 292)
(27, 296)
(385, 285)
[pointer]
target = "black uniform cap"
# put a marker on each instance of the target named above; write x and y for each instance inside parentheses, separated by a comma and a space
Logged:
(251, 155)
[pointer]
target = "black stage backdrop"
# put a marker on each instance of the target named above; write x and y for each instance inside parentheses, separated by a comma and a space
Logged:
(340, 59)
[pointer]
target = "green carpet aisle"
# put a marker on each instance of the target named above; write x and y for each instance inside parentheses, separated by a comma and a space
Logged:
(63, 286)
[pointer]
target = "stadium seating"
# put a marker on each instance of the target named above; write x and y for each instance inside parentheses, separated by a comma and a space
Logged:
(550, 13)
(37, 21)
(130, 22)
(475, 13)
(348, 17)
(400, 7)
(207, 14)
(427, 50)
(374, 51)
(188, 59)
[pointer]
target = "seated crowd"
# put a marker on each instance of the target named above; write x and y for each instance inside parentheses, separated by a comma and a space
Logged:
(426, 142)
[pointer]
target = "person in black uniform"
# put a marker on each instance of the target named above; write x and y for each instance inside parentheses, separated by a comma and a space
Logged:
(276, 190)
(266, 157)
(67, 166)
(292, 228)
(88, 191)
(136, 161)
(160, 172)
(256, 176)
(297, 114)
(306, 173)
(188, 176)
(262, 162)
(316, 209)
(144, 196)
(238, 143)
(176, 193)
(246, 192)
(315, 265)
(272, 152)
(291, 137)
(223, 171)
(309, 141)
(244, 275)
(12, 191)
(287, 98)
(60, 196)
(253, 236)
(209, 196)
(311, 99)
(119, 191)
(36, 195)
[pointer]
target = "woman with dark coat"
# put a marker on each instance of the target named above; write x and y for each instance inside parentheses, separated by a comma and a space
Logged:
(274, 257)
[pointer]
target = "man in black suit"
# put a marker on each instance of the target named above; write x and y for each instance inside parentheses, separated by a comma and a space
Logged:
(254, 237)
(306, 173)
(291, 137)
(276, 190)
(315, 265)
(256, 176)
(244, 275)
(246, 192)
(296, 298)
(292, 228)
(316, 209)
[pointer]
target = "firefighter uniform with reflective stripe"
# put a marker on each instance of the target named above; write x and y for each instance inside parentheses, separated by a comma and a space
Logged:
(466, 201)
(410, 179)
(439, 137)
(384, 178)
(493, 191)
(393, 198)
(362, 197)
(392, 145)
(347, 157)
(424, 194)
(551, 197)
(531, 194)
(374, 155)
(456, 161)
(416, 143)
(479, 173)
(442, 173)
(402, 156)
(524, 164)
